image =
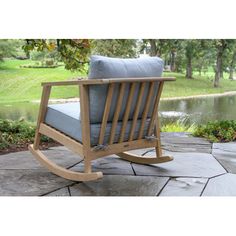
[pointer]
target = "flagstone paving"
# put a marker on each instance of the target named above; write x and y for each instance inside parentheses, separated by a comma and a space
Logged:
(199, 168)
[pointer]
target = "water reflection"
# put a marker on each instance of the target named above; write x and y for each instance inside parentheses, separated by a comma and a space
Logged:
(197, 110)
(200, 110)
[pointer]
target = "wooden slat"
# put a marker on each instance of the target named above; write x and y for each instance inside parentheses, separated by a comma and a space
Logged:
(147, 107)
(75, 146)
(42, 113)
(117, 113)
(158, 135)
(127, 111)
(106, 113)
(155, 109)
(85, 119)
(85, 124)
(136, 112)
(121, 147)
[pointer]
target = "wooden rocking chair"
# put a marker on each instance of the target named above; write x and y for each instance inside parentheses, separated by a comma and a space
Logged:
(128, 120)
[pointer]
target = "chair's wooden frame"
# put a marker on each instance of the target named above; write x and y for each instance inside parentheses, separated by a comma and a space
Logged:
(84, 149)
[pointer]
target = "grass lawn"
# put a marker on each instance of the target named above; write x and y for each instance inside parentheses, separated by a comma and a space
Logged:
(197, 86)
(23, 84)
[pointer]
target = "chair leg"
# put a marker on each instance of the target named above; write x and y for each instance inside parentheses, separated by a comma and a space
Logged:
(144, 160)
(37, 140)
(87, 165)
(61, 171)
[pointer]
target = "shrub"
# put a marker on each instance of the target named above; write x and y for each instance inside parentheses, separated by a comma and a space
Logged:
(217, 131)
(17, 133)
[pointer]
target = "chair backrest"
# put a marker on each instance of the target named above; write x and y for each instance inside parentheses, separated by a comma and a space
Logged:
(105, 67)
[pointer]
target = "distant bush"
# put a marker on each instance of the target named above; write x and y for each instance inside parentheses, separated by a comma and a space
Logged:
(17, 133)
(42, 55)
(47, 63)
(217, 131)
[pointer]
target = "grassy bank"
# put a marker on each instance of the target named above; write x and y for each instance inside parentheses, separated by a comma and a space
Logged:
(23, 84)
(200, 85)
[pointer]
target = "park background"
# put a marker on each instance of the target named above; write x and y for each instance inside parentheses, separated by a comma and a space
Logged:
(201, 101)
(103, 19)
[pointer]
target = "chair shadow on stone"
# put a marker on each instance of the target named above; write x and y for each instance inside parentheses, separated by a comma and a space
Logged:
(117, 112)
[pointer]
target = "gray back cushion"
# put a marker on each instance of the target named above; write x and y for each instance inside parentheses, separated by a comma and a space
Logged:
(105, 67)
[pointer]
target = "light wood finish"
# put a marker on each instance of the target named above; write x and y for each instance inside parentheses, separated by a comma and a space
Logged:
(117, 113)
(136, 112)
(90, 153)
(155, 109)
(145, 112)
(106, 81)
(127, 111)
(63, 172)
(158, 135)
(124, 146)
(61, 138)
(41, 115)
(106, 113)
(85, 120)
(144, 160)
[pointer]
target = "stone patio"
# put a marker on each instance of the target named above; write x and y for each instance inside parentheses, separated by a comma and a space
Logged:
(199, 169)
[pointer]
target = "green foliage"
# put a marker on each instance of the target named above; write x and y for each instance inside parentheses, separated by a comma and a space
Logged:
(73, 52)
(217, 131)
(10, 48)
(17, 133)
(115, 47)
(44, 55)
(178, 126)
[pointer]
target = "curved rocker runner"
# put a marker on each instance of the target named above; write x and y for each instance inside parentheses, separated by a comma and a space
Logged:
(115, 114)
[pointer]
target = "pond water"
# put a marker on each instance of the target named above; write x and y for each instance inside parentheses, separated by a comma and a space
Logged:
(196, 110)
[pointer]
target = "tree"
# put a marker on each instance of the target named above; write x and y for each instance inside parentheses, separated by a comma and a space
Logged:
(172, 48)
(73, 52)
(8, 48)
(155, 47)
(192, 47)
(232, 59)
(115, 47)
(205, 56)
(220, 45)
(232, 66)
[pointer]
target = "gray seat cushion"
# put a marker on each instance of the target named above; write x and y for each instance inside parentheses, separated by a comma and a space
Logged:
(66, 118)
(105, 67)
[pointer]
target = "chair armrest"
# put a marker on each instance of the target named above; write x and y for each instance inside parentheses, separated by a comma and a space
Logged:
(81, 81)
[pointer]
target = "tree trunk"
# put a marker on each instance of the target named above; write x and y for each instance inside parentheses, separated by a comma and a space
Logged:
(221, 73)
(219, 63)
(153, 51)
(172, 61)
(189, 72)
(232, 65)
(218, 69)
